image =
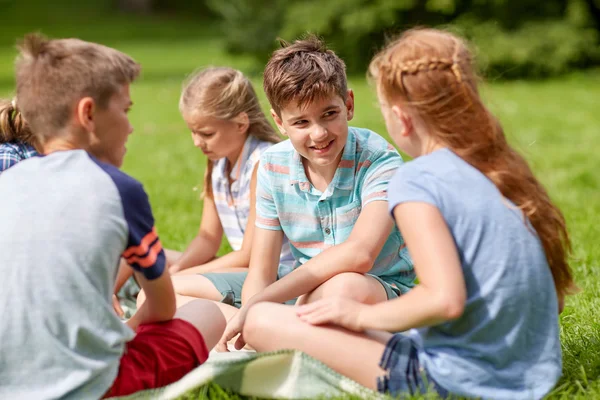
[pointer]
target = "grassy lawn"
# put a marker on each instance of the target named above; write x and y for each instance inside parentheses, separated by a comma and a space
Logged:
(554, 123)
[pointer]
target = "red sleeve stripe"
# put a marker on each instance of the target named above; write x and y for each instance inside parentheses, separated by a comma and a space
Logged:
(144, 245)
(149, 259)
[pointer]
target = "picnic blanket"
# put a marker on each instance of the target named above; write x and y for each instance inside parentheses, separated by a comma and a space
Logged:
(286, 374)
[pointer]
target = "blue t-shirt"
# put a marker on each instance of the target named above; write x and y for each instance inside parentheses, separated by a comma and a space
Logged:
(67, 219)
(506, 344)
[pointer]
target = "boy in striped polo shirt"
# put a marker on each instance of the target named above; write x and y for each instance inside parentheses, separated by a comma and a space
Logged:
(325, 189)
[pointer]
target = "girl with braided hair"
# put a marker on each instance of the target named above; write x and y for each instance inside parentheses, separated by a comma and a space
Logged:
(490, 249)
(17, 142)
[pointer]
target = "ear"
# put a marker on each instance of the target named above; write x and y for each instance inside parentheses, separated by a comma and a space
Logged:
(278, 122)
(84, 114)
(350, 104)
(243, 122)
(405, 119)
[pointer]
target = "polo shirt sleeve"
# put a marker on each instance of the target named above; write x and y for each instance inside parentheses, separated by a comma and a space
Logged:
(144, 252)
(266, 211)
(380, 169)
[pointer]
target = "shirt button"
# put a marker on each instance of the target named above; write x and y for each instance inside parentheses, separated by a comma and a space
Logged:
(327, 231)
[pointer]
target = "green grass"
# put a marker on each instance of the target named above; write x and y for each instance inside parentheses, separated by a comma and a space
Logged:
(554, 123)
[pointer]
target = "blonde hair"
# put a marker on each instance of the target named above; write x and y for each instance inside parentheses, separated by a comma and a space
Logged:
(13, 127)
(431, 71)
(51, 75)
(224, 93)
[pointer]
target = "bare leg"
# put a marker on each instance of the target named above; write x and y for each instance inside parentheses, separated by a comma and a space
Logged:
(361, 288)
(206, 316)
(272, 327)
(195, 286)
(227, 310)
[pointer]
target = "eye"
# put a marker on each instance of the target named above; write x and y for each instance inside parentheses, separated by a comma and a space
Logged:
(330, 114)
(300, 122)
(204, 134)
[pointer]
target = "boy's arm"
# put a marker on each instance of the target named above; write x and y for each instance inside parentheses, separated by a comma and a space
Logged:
(160, 300)
(264, 261)
(145, 255)
(356, 254)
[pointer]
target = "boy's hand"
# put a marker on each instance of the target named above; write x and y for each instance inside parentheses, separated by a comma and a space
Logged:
(117, 306)
(339, 311)
(234, 326)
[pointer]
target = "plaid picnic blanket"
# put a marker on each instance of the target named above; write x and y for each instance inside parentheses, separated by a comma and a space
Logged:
(285, 374)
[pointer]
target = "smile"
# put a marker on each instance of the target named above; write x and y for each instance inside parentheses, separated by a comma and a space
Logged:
(323, 146)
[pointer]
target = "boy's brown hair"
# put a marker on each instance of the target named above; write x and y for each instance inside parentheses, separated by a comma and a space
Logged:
(53, 75)
(302, 72)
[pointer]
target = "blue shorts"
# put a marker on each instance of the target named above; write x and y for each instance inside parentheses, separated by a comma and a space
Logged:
(404, 374)
(230, 284)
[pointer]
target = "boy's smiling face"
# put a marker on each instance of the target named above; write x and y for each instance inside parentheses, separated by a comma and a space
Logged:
(318, 130)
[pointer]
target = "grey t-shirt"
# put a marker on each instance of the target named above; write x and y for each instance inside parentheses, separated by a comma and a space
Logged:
(66, 220)
(506, 344)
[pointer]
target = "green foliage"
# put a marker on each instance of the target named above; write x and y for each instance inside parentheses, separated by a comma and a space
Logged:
(516, 38)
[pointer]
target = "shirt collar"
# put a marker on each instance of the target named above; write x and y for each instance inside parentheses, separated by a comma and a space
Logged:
(249, 145)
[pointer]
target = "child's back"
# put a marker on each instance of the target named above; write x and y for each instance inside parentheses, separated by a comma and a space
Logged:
(62, 296)
(492, 239)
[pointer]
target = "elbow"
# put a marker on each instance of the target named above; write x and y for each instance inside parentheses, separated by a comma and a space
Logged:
(361, 259)
(450, 307)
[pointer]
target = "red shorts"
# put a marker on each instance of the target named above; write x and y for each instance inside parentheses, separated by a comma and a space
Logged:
(159, 354)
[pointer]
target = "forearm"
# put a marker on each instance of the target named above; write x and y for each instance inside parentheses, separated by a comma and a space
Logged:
(200, 251)
(146, 315)
(124, 272)
(235, 259)
(345, 257)
(417, 308)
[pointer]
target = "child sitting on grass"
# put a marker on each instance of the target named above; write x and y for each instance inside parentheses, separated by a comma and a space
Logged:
(67, 219)
(227, 124)
(490, 250)
(17, 142)
(325, 190)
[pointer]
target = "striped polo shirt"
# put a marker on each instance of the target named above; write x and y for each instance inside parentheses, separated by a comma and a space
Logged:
(233, 201)
(314, 220)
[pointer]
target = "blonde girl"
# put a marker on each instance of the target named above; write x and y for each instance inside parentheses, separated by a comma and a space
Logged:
(489, 246)
(227, 124)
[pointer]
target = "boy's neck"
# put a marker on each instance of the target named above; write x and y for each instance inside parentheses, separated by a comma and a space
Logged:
(320, 176)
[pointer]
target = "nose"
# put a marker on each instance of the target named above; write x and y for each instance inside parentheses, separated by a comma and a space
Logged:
(319, 133)
(198, 142)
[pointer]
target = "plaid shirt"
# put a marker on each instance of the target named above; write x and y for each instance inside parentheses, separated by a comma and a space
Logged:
(13, 152)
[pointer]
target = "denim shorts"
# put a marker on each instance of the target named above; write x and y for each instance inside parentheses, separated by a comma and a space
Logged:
(404, 374)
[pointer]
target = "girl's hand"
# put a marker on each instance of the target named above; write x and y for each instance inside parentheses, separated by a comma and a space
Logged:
(339, 311)
(234, 326)
(174, 268)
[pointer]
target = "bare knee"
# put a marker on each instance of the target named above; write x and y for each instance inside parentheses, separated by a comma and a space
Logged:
(347, 284)
(205, 316)
(261, 322)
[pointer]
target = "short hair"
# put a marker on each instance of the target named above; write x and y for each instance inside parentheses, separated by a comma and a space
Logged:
(52, 75)
(303, 71)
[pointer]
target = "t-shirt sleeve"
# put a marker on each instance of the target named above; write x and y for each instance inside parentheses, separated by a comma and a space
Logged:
(380, 170)
(144, 252)
(411, 184)
(266, 211)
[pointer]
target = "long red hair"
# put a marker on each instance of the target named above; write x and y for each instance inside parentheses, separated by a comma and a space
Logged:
(431, 72)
